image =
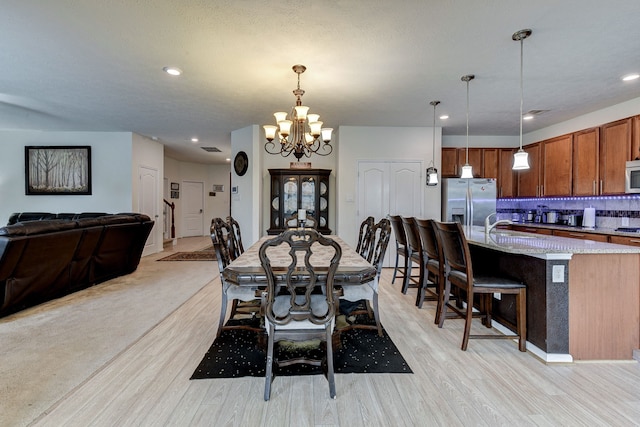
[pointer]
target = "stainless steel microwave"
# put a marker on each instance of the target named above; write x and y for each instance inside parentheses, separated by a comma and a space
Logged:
(632, 177)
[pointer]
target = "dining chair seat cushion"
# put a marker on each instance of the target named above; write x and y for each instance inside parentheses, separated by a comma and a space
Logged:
(362, 291)
(487, 281)
(282, 304)
(242, 293)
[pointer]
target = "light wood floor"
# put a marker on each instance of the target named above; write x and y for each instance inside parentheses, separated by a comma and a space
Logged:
(490, 384)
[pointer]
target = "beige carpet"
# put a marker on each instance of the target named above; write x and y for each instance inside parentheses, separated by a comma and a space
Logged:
(48, 350)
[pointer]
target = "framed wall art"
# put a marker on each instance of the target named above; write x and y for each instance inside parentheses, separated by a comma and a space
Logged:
(57, 170)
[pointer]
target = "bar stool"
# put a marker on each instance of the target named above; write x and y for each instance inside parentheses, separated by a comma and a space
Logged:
(460, 274)
(401, 247)
(414, 255)
(433, 284)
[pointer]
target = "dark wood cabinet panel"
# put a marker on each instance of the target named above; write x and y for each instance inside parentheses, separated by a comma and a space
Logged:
(585, 236)
(615, 151)
(506, 176)
(490, 162)
(585, 161)
(449, 163)
(529, 179)
(475, 160)
(556, 166)
(635, 141)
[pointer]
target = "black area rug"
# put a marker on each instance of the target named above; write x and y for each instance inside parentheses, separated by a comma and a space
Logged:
(237, 353)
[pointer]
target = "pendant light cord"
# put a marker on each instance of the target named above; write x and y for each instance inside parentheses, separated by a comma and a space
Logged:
(467, 156)
(521, 86)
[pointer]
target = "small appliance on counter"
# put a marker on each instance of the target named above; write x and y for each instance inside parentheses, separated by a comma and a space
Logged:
(530, 216)
(552, 217)
(589, 218)
(574, 220)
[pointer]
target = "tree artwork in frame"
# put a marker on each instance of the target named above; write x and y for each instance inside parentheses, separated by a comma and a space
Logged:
(57, 170)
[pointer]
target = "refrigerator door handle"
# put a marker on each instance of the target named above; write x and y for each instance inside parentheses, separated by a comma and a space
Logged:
(469, 220)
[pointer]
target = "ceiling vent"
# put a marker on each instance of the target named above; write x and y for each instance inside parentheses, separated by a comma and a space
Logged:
(211, 149)
(536, 112)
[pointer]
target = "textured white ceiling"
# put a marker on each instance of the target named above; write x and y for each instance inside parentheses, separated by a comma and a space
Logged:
(97, 65)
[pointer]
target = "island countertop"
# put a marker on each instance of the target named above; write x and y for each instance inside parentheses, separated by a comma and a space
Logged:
(541, 246)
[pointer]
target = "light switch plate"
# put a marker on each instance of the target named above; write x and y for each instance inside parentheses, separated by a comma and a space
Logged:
(557, 273)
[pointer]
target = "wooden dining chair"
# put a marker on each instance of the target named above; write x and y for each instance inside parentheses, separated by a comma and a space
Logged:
(401, 248)
(298, 312)
(368, 292)
(221, 236)
(236, 235)
(460, 274)
(364, 237)
(414, 256)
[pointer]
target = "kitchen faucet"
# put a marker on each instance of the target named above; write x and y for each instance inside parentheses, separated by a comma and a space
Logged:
(488, 226)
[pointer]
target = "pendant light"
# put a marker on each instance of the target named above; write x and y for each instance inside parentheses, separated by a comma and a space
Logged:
(432, 172)
(521, 157)
(467, 171)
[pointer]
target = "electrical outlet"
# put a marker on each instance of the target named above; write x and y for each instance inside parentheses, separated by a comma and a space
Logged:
(497, 296)
(557, 273)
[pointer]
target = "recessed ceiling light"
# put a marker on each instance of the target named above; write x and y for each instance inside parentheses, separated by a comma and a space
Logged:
(444, 117)
(527, 117)
(228, 159)
(630, 77)
(172, 71)
(194, 139)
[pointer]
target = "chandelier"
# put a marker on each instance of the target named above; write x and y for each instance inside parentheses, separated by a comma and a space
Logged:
(303, 135)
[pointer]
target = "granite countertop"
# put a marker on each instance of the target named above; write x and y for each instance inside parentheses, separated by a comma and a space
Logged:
(541, 245)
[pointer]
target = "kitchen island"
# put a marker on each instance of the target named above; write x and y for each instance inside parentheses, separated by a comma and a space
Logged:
(583, 296)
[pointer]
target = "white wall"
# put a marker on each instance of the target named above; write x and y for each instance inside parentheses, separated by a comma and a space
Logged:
(214, 206)
(246, 204)
(596, 118)
(110, 173)
(480, 141)
(150, 154)
(381, 143)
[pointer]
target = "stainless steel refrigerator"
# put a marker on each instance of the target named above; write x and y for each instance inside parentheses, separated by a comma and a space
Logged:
(468, 201)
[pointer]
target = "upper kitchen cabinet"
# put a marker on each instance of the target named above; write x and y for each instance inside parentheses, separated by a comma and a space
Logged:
(615, 151)
(475, 160)
(529, 179)
(490, 162)
(556, 166)
(506, 176)
(586, 163)
(635, 142)
(454, 158)
(449, 165)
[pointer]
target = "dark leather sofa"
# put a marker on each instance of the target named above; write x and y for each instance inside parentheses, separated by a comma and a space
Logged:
(45, 256)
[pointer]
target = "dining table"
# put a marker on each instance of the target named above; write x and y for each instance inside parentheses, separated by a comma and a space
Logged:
(247, 271)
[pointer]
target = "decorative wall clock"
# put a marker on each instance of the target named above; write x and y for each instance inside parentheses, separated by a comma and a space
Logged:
(241, 163)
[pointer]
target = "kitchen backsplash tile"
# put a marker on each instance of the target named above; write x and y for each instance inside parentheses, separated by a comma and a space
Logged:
(610, 210)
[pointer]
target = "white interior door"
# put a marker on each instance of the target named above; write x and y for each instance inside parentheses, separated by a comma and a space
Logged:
(389, 188)
(148, 204)
(192, 208)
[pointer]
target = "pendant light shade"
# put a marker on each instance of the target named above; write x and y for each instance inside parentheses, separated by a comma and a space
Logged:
(521, 157)
(432, 172)
(467, 171)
